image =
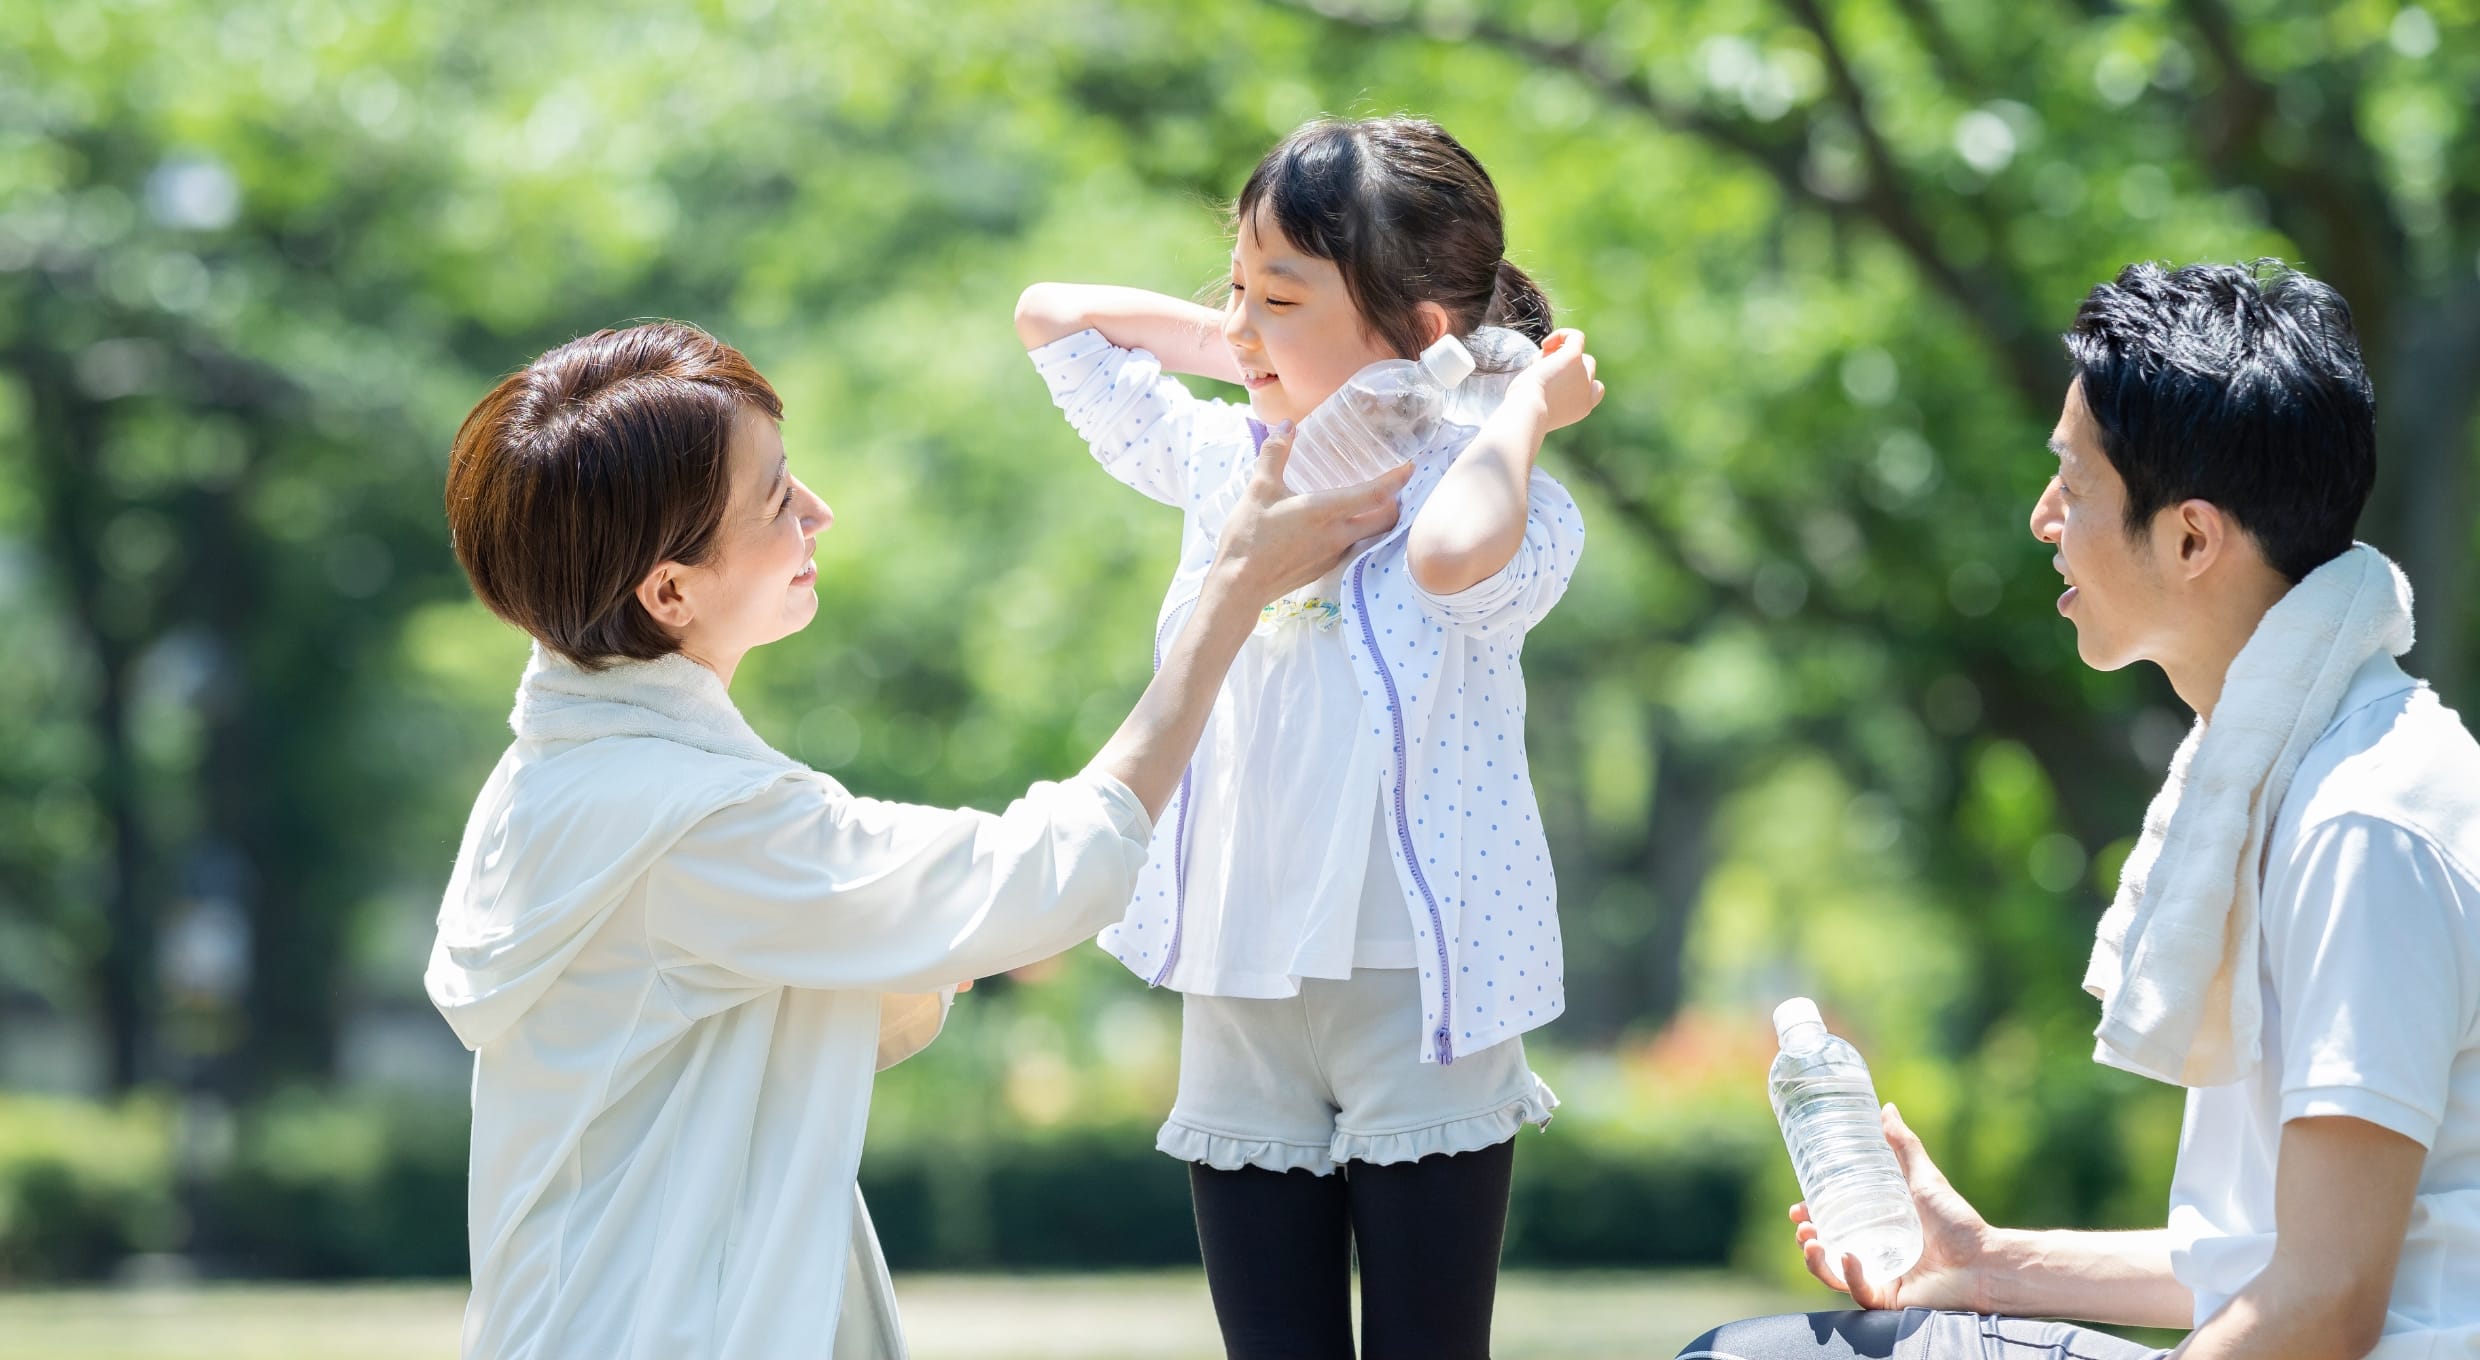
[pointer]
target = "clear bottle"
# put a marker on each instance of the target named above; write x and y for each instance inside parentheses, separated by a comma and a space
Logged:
(1384, 415)
(1499, 354)
(1827, 1106)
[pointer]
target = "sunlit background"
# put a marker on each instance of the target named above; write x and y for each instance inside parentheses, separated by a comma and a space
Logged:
(1806, 723)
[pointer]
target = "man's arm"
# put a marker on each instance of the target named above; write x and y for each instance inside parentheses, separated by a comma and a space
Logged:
(1186, 337)
(2120, 1277)
(2343, 1191)
(1966, 1264)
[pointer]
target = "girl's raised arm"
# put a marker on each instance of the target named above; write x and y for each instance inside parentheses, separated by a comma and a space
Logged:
(1476, 521)
(1186, 337)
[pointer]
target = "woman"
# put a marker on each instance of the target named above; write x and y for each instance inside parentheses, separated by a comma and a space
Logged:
(678, 955)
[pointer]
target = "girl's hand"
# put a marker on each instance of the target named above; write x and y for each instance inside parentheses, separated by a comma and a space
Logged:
(1953, 1246)
(1563, 378)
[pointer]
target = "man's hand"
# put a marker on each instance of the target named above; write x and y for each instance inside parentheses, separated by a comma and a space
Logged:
(1954, 1239)
(1275, 542)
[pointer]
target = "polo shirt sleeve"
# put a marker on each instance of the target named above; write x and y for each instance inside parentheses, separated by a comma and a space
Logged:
(2365, 938)
(1145, 427)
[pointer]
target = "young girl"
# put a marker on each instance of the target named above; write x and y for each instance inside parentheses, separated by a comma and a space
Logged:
(1351, 891)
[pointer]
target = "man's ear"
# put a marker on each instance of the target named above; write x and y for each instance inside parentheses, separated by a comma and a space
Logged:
(1435, 323)
(661, 595)
(2204, 535)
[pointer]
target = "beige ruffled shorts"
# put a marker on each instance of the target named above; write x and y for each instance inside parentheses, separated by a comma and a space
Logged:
(1333, 1075)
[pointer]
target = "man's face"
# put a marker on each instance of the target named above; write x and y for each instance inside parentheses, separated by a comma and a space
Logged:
(2116, 595)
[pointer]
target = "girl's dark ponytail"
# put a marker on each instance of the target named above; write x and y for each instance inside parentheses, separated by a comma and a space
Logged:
(1517, 303)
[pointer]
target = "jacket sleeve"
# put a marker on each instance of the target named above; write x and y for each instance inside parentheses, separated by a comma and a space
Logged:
(1518, 596)
(808, 886)
(1145, 427)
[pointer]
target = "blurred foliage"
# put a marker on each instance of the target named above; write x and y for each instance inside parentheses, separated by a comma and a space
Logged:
(1805, 723)
(82, 1186)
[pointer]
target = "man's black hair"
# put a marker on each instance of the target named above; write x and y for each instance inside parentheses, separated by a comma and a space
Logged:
(2236, 384)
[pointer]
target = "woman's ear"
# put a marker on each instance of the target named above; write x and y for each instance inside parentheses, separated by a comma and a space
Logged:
(1435, 323)
(661, 596)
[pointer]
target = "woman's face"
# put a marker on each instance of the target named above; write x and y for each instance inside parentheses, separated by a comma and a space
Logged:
(760, 582)
(1291, 324)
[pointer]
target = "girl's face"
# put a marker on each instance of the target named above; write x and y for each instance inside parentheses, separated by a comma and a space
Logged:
(1291, 324)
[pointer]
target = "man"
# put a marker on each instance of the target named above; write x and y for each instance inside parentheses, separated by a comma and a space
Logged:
(2215, 448)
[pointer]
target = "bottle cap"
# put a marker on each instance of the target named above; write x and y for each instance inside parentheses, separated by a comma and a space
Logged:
(1447, 362)
(1794, 1013)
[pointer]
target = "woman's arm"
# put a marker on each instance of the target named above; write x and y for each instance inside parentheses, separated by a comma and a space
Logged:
(1186, 337)
(1473, 523)
(806, 886)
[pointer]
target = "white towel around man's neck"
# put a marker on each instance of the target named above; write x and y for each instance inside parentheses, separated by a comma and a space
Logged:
(2175, 963)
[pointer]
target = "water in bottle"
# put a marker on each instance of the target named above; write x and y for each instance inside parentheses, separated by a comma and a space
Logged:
(1856, 1194)
(1383, 416)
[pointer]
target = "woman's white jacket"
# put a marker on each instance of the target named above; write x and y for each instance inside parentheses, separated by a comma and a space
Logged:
(678, 956)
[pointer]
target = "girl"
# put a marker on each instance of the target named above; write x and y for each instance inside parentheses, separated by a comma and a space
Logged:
(1351, 891)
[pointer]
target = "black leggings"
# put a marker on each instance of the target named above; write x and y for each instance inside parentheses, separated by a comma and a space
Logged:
(1279, 1249)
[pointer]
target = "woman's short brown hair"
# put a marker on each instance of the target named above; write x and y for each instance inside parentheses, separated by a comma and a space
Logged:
(586, 468)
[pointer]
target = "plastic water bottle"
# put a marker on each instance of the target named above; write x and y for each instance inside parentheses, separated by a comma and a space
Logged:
(1499, 354)
(1827, 1106)
(1388, 412)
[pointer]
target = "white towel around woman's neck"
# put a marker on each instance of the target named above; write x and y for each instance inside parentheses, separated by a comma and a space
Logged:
(2175, 964)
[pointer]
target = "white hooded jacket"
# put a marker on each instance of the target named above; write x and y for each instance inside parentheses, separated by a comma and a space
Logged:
(678, 957)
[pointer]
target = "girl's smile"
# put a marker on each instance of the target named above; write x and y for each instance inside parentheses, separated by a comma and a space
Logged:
(1294, 330)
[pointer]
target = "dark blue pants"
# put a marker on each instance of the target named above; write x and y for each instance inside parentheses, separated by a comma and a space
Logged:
(1912, 1334)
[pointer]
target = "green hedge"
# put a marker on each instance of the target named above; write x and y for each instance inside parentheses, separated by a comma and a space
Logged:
(320, 1188)
(82, 1187)
(1102, 1197)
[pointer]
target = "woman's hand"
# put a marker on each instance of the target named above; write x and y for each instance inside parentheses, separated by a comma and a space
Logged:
(1276, 541)
(1954, 1240)
(1562, 380)
(1273, 542)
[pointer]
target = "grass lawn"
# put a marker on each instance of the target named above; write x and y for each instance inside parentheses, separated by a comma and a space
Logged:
(946, 1317)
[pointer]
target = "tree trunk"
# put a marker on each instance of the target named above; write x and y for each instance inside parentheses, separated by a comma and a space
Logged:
(2421, 513)
(1689, 787)
(66, 448)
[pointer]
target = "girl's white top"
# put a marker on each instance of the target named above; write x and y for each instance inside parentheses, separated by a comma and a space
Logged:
(1436, 689)
(678, 956)
(1286, 775)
